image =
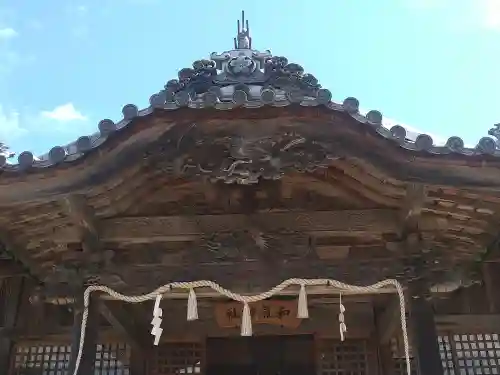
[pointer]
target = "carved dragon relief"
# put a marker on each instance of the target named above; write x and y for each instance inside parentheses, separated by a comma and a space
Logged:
(245, 160)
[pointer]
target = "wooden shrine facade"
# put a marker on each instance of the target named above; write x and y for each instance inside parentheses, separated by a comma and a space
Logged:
(245, 172)
(38, 338)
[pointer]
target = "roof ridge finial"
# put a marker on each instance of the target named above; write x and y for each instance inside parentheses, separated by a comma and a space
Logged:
(243, 39)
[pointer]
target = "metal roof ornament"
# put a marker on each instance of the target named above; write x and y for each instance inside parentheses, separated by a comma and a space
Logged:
(243, 39)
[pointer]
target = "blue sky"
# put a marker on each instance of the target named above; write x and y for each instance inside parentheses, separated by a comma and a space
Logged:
(432, 65)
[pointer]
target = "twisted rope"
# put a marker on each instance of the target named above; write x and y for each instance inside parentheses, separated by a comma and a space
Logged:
(244, 299)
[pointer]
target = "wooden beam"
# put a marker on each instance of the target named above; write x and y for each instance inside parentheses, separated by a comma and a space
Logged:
(425, 337)
(469, 322)
(10, 268)
(11, 307)
(389, 321)
(19, 253)
(491, 276)
(187, 228)
(208, 293)
(84, 220)
(411, 211)
(115, 313)
(16, 333)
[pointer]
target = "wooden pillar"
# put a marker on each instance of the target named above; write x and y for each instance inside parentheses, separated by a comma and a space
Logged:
(91, 332)
(11, 304)
(386, 361)
(491, 275)
(138, 363)
(387, 320)
(424, 332)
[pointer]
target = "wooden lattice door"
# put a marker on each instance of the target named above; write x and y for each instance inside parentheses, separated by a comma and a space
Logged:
(178, 358)
(340, 358)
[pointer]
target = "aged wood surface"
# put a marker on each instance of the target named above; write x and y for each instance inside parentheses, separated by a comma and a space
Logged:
(12, 295)
(127, 324)
(85, 222)
(178, 228)
(388, 321)
(425, 336)
(156, 205)
(337, 126)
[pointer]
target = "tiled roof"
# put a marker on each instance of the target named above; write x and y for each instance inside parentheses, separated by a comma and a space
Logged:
(244, 77)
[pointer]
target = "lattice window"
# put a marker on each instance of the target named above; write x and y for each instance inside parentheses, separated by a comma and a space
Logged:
(446, 352)
(179, 358)
(41, 359)
(112, 359)
(465, 354)
(38, 359)
(341, 358)
(477, 354)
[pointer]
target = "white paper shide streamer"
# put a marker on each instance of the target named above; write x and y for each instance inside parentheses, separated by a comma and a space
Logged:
(156, 331)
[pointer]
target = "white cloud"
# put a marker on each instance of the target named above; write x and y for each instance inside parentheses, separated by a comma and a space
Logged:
(490, 11)
(10, 58)
(78, 20)
(64, 113)
(81, 9)
(10, 125)
(39, 131)
(7, 33)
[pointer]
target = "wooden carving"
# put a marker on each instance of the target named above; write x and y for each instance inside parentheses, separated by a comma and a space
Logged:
(234, 158)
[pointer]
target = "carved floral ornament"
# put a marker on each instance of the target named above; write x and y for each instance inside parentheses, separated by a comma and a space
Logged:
(249, 78)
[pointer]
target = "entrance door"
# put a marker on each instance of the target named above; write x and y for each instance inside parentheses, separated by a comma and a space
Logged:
(261, 355)
(268, 353)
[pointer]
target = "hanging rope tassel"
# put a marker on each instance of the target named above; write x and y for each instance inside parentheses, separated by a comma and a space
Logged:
(246, 321)
(302, 309)
(342, 325)
(192, 307)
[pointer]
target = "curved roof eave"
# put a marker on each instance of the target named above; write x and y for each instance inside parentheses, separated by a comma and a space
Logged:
(398, 134)
(244, 77)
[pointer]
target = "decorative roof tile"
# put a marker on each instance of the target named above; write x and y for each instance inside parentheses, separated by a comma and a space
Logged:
(244, 77)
